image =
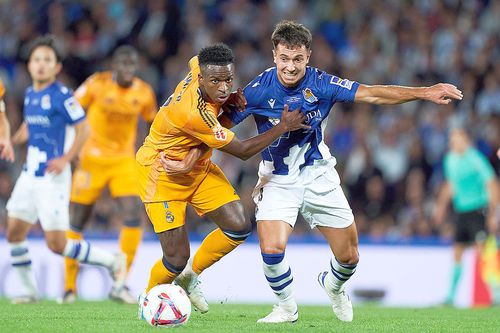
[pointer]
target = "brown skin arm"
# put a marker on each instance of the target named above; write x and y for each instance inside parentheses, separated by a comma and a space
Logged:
(181, 167)
(244, 149)
(441, 93)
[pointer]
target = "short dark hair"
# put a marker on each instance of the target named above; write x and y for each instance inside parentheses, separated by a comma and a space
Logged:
(291, 34)
(49, 41)
(127, 50)
(219, 54)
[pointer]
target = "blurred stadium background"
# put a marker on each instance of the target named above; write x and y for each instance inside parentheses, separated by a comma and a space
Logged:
(389, 158)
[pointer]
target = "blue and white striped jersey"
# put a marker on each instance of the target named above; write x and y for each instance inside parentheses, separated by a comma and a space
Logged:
(315, 95)
(48, 114)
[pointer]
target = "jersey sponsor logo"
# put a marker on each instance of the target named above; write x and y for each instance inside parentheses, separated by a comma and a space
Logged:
(37, 120)
(313, 114)
(74, 109)
(309, 96)
(219, 133)
(341, 82)
(271, 102)
(45, 102)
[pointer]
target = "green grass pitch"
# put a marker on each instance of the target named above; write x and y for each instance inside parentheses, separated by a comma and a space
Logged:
(47, 316)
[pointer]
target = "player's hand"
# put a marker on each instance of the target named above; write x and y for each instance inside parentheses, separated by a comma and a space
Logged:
(173, 167)
(56, 166)
(293, 120)
(237, 99)
(6, 151)
(443, 93)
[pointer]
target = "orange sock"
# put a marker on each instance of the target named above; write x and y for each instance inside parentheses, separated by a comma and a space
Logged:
(71, 265)
(215, 246)
(130, 238)
(160, 274)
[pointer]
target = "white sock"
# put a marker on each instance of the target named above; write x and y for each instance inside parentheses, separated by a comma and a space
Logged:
(338, 275)
(87, 254)
(21, 264)
(279, 276)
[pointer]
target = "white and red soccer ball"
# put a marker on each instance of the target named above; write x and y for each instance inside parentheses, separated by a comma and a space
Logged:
(166, 305)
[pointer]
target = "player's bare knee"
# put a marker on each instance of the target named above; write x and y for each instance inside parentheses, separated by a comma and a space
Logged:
(273, 248)
(350, 257)
(56, 245)
(13, 236)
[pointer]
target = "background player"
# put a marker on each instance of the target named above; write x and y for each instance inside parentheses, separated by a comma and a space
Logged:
(6, 151)
(188, 119)
(114, 100)
(42, 190)
(472, 187)
(298, 173)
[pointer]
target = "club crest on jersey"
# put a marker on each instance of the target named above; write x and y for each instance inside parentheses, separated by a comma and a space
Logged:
(309, 96)
(219, 133)
(45, 102)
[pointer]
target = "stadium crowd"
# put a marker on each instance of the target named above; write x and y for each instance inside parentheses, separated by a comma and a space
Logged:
(390, 162)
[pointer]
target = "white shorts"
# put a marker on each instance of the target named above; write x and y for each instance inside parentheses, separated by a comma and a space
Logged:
(42, 198)
(321, 202)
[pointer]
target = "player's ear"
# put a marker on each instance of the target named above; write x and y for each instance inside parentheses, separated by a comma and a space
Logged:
(274, 56)
(200, 79)
(58, 68)
(308, 55)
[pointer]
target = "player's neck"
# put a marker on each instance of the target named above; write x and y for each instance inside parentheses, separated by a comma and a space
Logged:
(207, 98)
(40, 85)
(120, 82)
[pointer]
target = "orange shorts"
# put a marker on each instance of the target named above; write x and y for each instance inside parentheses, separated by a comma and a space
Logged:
(92, 175)
(166, 199)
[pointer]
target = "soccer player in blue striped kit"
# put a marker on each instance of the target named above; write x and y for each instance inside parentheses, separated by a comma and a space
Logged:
(297, 172)
(55, 128)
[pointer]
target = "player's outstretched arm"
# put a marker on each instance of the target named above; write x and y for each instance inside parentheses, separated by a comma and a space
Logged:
(441, 93)
(82, 132)
(290, 121)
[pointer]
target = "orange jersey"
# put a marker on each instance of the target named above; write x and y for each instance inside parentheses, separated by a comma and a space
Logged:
(2, 89)
(112, 112)
(185, 121)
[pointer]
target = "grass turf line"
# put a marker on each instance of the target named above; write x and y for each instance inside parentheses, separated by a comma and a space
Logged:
(47, 316)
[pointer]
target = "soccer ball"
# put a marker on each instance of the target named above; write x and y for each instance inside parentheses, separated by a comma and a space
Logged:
(166, 305)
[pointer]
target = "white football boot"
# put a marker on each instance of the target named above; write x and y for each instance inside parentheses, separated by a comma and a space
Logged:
(279, 315)
(118, 271)
(188, 280)
(341, 304)
(122, 295)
